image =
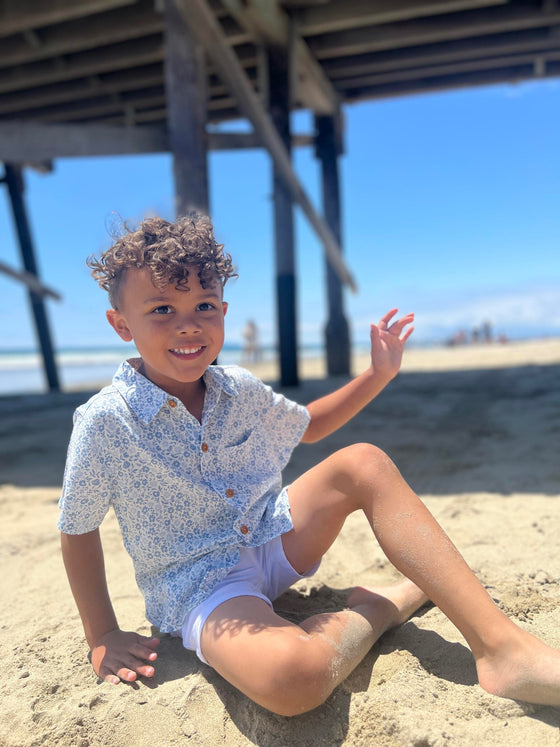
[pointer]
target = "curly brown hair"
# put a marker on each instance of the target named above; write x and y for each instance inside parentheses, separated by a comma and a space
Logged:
(167, 249)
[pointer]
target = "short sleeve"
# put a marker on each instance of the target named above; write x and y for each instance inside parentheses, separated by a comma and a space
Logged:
(280, 422)
(87, 487)
(285, 422)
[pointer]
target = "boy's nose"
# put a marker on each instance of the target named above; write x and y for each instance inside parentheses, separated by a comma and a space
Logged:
(188, 325)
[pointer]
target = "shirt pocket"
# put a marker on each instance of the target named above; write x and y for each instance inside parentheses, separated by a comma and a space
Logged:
(247, 466)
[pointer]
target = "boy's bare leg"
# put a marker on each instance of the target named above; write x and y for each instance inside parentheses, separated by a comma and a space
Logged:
(510, 662)
(290, 669)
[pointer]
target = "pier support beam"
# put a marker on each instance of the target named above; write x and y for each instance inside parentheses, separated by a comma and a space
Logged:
(186, 94)
(286, 301)
(14, 181)
(337, 335)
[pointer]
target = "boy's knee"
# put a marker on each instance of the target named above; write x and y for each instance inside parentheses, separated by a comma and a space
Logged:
(365, 463)
(300, 682)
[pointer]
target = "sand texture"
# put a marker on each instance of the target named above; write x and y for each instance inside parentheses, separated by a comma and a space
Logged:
(476, 431)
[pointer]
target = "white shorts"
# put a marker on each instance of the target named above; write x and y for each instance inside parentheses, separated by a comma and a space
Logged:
(262, 572)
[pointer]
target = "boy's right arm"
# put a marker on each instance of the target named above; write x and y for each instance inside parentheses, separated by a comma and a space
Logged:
(115, 654)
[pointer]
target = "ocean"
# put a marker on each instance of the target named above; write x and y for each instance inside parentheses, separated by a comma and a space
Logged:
(21, 371)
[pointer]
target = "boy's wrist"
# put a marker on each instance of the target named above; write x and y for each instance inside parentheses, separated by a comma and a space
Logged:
(96, 639)
(379, 378)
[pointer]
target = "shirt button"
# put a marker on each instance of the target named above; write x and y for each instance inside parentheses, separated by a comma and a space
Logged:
(244, 529)
(172, 403)
(230, 493)
(204, 447)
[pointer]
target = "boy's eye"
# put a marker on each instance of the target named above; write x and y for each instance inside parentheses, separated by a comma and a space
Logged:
(205, 306)
(162, 310)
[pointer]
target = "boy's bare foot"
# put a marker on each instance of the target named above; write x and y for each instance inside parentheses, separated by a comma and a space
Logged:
(397, 603)
(522, 668)
(519, 666)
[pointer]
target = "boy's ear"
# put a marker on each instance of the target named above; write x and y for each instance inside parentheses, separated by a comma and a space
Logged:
(224, 307)
(118, 323)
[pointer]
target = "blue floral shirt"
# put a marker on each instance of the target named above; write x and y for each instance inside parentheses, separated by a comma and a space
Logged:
(187, 495)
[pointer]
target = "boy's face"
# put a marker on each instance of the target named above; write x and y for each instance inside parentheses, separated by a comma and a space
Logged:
(178, 333)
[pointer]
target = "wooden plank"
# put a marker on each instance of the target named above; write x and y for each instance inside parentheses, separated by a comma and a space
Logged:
(453, 68)
(106, 59)
(19, 15)
(130, 54)
(198, 16)
(237, 140)
(333, 17)
(267, 22)
(121, 82)
(22, 142)
(32, 282)
(445, 52)
(314, 90)
(100, 106)
(467, 80)
(102, 29)
(81, 89)
(426, 31)
(159, 117)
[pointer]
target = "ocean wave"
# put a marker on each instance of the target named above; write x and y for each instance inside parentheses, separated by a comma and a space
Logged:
(28, 361)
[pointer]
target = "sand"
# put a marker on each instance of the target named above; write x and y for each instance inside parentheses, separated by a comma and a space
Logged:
(475, 430)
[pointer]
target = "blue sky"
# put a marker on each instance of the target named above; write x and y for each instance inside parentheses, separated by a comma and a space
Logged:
(451, 209)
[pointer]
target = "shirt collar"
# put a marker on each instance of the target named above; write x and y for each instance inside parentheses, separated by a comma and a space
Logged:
(218, 375)
(146, 399)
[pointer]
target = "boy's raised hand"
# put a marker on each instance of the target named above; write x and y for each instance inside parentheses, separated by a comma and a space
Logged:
(121, 655)
(387, 343)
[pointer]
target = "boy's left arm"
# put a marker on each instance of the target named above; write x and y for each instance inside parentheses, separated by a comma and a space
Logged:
(334, 410)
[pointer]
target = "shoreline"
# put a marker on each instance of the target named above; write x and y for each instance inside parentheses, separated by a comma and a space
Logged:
(415, 360)
(436, 358)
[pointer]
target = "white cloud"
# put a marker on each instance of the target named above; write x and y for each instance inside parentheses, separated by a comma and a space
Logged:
(530, 311)
(516, 312)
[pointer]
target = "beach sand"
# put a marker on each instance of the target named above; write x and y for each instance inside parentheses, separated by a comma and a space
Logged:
(475, 430)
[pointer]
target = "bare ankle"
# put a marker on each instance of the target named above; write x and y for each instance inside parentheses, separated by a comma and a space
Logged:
(396, 603)
(522, 668)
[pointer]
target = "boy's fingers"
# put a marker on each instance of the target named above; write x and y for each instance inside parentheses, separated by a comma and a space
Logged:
(127, 668)
(146, 670)
(112, 679)
(143, 652)
(150, 642)
(387, 317)
(374, 333)
(125, 674)
(129, 675)
(407, 334)
(403, 321)
(398, 327)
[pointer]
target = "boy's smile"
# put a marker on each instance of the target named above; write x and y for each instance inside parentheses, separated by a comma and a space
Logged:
(178, 332)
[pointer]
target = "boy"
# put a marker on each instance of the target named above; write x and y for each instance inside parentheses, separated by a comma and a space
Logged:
(189, 455)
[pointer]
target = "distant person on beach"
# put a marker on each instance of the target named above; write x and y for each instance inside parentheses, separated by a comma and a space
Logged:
(189, 455)
(459, 338)
(251, 352)
(487, 332)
